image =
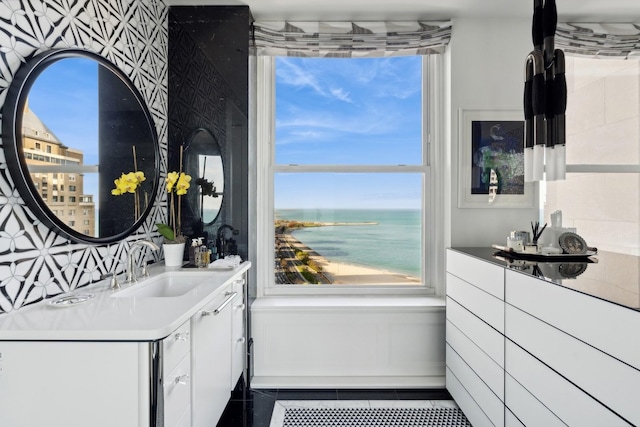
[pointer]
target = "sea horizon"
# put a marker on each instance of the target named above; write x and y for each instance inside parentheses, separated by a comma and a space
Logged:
(391, 242)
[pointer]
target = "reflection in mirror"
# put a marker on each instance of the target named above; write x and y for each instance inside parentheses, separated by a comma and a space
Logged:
(76, 128)
(203, 160)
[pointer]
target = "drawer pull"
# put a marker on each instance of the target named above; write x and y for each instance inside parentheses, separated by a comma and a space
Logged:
(182, 379)
(221, 306)
(240, 307)
(181, 336)
(241, 340)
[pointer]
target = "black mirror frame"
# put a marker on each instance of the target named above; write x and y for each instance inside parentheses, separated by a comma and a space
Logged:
(12, 141)
(188, 146)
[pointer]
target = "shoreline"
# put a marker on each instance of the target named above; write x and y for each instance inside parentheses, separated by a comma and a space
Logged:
(339, 273)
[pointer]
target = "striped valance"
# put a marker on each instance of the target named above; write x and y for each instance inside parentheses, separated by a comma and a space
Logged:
(350, 39)
(605, 40)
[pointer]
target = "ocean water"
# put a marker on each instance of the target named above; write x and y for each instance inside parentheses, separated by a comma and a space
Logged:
(393, 244)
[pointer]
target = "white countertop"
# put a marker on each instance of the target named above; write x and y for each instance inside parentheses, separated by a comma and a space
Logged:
(106, 318)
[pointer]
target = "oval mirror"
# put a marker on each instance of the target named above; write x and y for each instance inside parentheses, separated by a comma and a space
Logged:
(76, 129)
(203, 161)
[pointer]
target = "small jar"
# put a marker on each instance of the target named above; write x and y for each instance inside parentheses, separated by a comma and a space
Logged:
(515, 243)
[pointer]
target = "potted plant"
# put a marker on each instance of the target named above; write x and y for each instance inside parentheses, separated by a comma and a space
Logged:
(177, 184)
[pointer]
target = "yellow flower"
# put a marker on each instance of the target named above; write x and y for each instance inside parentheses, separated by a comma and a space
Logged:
(140, 176)
(124, 184)
(183, 184)
(172, 178)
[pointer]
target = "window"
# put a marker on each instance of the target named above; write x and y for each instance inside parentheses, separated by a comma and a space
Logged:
(86, 222)
(38, 146)
(85, 212)
(72, 188)
(48, 146)
(72, 212)
(72, 199)
(349, 175)
(72, 177)
(71, 223)
(600, 197)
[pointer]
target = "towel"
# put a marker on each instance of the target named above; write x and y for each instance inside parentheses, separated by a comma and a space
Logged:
(230, 261)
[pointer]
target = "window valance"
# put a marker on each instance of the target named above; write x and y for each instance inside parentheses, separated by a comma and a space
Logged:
(350, 39)
(599, 39)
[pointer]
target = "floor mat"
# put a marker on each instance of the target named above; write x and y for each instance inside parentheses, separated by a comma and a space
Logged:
(367, 413)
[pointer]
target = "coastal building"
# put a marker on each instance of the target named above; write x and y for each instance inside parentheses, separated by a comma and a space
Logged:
(63, 192)
(512, 342)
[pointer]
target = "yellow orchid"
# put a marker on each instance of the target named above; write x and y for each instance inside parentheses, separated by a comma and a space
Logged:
(172, 178)
(183, 184)
(177, 184)
(129, 183)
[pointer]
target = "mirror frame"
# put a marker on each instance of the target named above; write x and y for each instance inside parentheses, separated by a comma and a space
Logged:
(189, 148)
(17, 94)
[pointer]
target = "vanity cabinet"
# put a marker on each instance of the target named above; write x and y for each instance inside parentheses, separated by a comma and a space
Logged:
(176, 378)
(211, 349)
(126, 362)
(238, 332)
(523, 351)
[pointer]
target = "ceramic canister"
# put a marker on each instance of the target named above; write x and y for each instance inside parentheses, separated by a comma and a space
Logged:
(522, 235)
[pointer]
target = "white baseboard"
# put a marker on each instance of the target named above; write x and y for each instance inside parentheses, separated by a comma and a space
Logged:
(308, 382)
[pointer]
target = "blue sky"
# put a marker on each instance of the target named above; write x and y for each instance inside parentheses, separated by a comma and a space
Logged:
(336, 111)
(65, 98)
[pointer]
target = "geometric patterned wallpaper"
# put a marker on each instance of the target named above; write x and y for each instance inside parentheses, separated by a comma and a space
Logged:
(35, 262)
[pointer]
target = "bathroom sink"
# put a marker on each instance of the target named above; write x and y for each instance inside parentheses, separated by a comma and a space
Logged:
(165, 285)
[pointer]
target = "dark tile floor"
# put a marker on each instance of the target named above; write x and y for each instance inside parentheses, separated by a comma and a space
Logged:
(253, 408)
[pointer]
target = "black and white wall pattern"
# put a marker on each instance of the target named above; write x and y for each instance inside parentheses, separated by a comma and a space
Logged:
(35, 262)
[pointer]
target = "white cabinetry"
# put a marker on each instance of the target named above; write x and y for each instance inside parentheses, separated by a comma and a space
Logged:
(566, 361)
(475, 340)
(238, 339)
(217, 353)
(125, 362)
(176, 367)
(522, 351)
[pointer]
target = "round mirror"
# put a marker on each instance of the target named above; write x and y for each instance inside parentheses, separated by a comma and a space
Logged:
(203, 161)
(81, 145)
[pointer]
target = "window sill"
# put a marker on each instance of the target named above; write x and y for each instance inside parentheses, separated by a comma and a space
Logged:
(422, 303)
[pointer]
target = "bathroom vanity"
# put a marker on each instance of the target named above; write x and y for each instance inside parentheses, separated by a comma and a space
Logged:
(552, 346)
(166, 351)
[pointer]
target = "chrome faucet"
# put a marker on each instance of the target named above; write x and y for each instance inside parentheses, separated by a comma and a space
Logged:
(131, 265)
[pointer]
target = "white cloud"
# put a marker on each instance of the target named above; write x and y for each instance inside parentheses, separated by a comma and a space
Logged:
(291, 74)
(341, 95)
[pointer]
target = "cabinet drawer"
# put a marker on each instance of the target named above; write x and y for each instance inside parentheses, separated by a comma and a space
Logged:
(526, 407)
(478, 361)
(238, 339)
(185, 420)
(483, 335)
(463, 399)
(176, 346)
(608, 380)
(483, 274)
(177, 392)
(511, 420)
(608, 327)
(553, 392)
(484, 396)
(484, 305)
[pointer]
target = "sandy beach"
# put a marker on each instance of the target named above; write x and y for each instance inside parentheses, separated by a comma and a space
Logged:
(339, 273)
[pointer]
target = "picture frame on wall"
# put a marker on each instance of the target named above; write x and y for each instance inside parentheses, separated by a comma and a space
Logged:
(491, 160)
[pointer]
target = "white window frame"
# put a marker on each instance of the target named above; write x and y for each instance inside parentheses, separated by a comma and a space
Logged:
(434, 200)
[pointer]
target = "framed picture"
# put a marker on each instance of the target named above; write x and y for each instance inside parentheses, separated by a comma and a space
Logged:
(491, 160)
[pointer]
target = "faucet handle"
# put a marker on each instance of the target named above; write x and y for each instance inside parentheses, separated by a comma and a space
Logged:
(113, 283)
(145, 269)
